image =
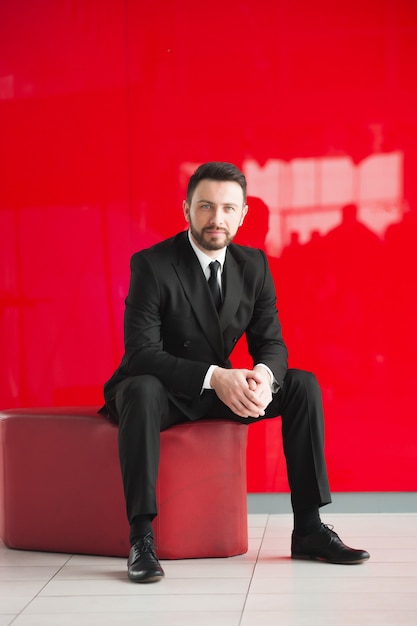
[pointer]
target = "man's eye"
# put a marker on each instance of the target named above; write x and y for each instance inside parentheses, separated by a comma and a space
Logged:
(229, 208)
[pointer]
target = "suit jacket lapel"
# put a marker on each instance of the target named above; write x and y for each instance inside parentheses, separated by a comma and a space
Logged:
(196, 289)
(233, 289)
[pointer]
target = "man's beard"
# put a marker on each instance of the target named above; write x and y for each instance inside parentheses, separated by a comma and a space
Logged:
(207, 244)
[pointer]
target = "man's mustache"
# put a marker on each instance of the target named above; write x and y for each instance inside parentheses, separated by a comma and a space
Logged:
(207, 229)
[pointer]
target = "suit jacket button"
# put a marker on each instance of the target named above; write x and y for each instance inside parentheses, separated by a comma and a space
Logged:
(186, 344)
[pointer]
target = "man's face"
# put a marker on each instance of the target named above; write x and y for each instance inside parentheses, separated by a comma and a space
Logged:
(216, 211)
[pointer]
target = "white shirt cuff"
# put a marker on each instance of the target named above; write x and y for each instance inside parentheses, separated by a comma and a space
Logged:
(207, 378)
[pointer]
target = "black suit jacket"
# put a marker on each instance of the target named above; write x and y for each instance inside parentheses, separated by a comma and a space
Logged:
(173, 331)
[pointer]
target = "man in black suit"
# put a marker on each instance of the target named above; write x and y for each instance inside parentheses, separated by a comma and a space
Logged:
(183, 317)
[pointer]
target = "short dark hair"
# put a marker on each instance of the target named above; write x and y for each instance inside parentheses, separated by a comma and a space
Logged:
(216, 170)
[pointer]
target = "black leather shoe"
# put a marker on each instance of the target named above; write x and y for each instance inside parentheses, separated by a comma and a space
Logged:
(325, 545)
(143, 565)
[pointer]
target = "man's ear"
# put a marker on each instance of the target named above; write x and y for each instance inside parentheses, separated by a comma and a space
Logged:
(244, 211)
(186, 210)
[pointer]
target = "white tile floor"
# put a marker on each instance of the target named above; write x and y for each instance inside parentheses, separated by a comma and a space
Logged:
(262, 588)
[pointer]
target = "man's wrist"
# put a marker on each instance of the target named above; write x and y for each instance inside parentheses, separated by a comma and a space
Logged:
(274, 385)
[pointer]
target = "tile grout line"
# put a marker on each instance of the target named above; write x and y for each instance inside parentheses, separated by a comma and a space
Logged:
(254, 568)
(41, 589)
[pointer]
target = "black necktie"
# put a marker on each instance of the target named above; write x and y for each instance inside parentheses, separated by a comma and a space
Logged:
(213, 283)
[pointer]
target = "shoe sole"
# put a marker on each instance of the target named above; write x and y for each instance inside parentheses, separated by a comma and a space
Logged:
(150, 579)
(309, 557)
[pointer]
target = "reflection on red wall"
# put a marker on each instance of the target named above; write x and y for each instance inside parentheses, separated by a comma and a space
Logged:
(105, 109)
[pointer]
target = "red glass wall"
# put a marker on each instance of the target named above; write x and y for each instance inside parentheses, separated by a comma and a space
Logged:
(105, 110)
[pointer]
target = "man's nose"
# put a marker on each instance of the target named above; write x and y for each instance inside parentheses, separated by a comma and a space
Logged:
(217, 216)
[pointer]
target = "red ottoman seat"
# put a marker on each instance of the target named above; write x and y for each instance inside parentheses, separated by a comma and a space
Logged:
(61, 487)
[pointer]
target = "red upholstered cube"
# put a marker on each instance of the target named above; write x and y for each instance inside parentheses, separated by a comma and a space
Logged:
(61, 487)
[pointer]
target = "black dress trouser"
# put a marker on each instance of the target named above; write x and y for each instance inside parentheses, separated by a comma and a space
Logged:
(144, 410)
